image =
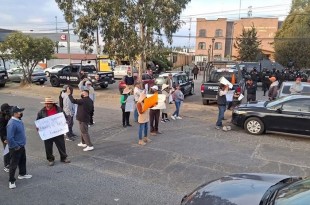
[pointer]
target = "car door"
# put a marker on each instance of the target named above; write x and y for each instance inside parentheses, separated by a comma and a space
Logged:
(64, 75)
(17, 75)
(74, 75)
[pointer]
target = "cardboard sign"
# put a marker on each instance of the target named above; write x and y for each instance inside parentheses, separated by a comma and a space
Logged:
(52, 126)
(150, 102)
(161, 102)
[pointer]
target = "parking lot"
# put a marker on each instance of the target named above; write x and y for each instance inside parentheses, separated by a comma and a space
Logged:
(187, 154)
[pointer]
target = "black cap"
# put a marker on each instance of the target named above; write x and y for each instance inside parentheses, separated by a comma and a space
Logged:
(16, 109)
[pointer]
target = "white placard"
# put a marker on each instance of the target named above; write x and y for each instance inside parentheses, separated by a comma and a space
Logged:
(52, 126)
(240, 97)
(6, 150)
(161, 102)
(230, 95)
(130, 103)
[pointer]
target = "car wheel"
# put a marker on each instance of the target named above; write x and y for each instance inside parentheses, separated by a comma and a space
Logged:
(55, 82)
(254, 125)
(2, 85)
(47, 73)
(103, 86)
(205, 102)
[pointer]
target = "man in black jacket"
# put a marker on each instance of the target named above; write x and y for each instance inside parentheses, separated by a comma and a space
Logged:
(85, 107)
(251, 90)
(50, 109)
(5, 116)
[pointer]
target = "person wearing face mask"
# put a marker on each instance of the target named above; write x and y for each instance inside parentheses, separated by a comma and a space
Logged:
(16, 138)
(296, 87)
(50, 109)
(83, 115)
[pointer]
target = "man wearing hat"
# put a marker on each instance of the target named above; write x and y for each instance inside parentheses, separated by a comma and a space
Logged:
(50, 109)
(5, 116)
(273, 89)
(16, 138)
(154, 115)
(69, 110)
(83, 115)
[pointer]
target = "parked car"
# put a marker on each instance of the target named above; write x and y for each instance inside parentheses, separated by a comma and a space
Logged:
(251, 189)
(3, 76)
(178, 78)
(38, 75)
(121, 70)
(285, 88)
(290, 114)
(54, 69)
(146, 79)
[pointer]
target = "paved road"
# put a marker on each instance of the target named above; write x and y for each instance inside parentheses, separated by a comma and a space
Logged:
(187, 154)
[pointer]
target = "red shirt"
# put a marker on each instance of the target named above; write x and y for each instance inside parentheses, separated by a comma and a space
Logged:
(52, 111)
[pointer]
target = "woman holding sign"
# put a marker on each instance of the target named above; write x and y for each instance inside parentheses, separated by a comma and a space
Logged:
(50, 109)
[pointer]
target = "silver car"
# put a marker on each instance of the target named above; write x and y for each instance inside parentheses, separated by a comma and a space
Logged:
(54, 69)
(38, 75)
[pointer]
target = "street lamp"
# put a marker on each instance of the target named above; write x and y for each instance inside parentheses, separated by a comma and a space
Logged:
(213, 39)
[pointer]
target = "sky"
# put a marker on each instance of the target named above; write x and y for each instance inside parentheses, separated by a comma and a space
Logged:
(39, 15)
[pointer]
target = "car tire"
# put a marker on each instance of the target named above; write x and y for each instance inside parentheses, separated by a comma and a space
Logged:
(47, 73)
(2, 85)
(254, 126)
(205, 102)
(55, 82)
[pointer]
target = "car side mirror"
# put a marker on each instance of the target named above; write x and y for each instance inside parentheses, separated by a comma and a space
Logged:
(279, 110)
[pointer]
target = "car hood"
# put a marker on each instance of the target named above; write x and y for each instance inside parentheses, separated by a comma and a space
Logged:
(259, 104)
(236, 189)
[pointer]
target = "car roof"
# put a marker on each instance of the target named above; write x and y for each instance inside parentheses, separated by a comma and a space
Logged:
(230, 70)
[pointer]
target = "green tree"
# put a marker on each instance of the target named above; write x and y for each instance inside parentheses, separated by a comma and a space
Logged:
(27, 51)
(247, 45)
(129, 28)
(293, 39)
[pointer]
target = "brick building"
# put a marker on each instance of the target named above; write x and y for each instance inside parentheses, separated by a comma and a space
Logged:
(218, 36)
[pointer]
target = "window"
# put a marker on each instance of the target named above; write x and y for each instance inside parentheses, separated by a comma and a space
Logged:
(218, 32)
(66, 69)
(202, 33)
(301, 105)
(218, 57)
(202, 46)
(218, 46)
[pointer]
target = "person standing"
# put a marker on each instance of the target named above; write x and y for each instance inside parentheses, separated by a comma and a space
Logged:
(123, 100)
(169, 81)
(164, 112)
(178, 99)
(251, 90)
(84, 110)
(221, 103)
(195, 71)
(69, 110)
(137, 92)
(143, 120)
(265, 80)
(50, 109)
(92, 95)
(129, 79)
(16, 138)
(5, 116)
(154, 115)
(296, 87)
(273, 90)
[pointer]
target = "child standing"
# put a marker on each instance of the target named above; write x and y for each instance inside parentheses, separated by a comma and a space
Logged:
(178, 99)
(164, 112)
(123, 100)
(143, 120)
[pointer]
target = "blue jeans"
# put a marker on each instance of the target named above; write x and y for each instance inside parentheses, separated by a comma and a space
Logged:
(135, 115)
(222, 109)
(143, 126)
(177, 108)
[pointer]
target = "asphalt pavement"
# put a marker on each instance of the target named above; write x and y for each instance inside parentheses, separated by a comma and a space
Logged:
(188, 153)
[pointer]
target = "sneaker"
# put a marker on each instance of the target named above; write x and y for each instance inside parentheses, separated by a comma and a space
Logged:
(12, 185)
(159, 133)
(129, 125)
(217, 127)
(146, 139)
(179, 118)
(6, 169)
(167, 120)
(51, 163)
(173, 117)
(153, 133)
(163, 121)
(26, 176)
(225, 128)
(66, 161)
(88, 148)
(69, 139)
(141, 142)
(82, 145)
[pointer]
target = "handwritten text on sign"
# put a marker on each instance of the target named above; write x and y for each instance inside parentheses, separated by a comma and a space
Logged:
(52, 126)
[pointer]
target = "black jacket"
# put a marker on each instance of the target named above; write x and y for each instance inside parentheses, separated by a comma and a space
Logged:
(42, 113)
(4, 119)
(129, 80)
(85, 107)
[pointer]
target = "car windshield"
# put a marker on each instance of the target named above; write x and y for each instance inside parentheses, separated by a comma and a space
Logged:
(306, 88)
(37, 69)
(296, 193)
(278, 101)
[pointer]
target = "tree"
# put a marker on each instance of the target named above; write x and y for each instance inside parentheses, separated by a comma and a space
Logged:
(247, 45)
(27, 51)
(129, 28)
(293, 39)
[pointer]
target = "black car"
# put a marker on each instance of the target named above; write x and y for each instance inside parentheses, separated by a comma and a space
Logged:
(290, 114)
(3, 76)
(251, 189)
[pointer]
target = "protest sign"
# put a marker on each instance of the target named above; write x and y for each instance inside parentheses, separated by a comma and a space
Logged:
(150, 102)
(230, 95)
(52, 126)
(161, 102)
(130, 104)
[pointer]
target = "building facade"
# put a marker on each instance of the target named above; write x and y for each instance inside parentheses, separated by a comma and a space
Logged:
(215, 38)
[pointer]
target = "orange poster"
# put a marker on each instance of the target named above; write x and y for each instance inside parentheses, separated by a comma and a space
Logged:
(150, 102)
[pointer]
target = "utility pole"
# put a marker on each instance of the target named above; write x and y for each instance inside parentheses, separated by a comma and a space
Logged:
(189, 33)
(56, 24)
(97, 42)
(239, 9)
(57, 42)
(68, 44)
